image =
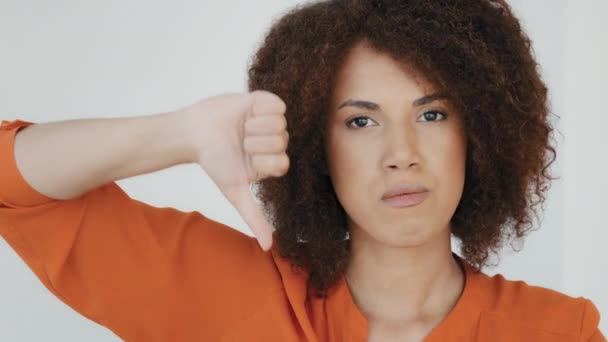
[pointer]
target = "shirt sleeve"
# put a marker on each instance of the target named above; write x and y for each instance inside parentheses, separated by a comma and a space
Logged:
(127, 265)
(590, 324)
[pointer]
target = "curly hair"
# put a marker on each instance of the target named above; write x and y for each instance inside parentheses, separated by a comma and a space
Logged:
(474, 51)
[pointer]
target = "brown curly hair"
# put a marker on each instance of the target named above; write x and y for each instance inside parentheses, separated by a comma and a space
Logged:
(475, 51)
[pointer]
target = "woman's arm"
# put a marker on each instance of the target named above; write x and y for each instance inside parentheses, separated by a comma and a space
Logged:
(66, 159)
(236, 138)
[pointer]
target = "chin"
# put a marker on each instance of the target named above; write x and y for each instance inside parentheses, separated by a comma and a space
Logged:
(404, 239)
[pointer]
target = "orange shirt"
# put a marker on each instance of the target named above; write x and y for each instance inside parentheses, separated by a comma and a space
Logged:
(159, 274)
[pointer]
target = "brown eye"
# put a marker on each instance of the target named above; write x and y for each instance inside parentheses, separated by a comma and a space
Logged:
(359, 121)
(433, 115)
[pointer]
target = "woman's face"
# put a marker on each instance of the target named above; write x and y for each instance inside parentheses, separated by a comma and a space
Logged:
(398, 135)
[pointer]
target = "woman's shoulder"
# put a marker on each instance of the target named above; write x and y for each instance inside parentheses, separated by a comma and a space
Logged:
(519, 306)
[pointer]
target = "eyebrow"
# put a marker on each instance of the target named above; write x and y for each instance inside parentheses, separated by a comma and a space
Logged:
(374, 106)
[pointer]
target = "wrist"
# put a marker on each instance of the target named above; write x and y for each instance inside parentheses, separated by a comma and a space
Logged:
(179, 127)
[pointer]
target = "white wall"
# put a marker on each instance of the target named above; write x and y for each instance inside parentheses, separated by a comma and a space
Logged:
(74, 59)
(585, 255)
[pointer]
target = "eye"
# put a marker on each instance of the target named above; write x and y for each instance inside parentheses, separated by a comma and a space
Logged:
(432, 115)
(362, 121)
(359, 121)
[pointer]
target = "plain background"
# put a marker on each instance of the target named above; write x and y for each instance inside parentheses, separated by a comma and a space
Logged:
(70, 59)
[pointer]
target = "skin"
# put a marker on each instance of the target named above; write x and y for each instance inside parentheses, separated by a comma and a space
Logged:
(402, 275)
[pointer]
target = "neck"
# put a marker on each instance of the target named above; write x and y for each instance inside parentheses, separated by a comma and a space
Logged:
(404, 283)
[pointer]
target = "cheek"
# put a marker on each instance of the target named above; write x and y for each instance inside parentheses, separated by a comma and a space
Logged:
(346, 158)
(350, 170)
(449, 149)
(449, 165)
(345, 169)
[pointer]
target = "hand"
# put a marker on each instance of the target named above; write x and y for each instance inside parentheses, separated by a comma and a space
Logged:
(240, 139)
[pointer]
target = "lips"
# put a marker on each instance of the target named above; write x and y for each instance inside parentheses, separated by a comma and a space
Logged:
(404, 189)
(407, 200)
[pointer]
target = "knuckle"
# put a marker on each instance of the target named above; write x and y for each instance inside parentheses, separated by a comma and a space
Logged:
(278, 143)
(282, 105)
(249, 127)
(278, 102)
(247, 143)
(281, 123)
(284, 164)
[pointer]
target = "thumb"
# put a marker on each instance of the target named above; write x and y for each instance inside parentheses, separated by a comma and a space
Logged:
(245, 204)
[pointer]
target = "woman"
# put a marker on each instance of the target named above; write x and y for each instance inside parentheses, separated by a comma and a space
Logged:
(385, 127)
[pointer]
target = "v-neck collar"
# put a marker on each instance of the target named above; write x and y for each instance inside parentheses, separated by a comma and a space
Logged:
(341, 319)
(460, 321)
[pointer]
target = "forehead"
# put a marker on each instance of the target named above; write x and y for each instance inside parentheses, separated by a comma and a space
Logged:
(368, 73)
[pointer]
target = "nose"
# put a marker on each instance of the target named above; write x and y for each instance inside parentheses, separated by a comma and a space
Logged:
(401, 149)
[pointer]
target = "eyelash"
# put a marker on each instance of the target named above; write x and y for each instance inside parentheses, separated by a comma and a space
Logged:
(349, 122)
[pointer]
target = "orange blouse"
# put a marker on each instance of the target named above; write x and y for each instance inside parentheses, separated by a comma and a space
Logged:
(159, 274)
